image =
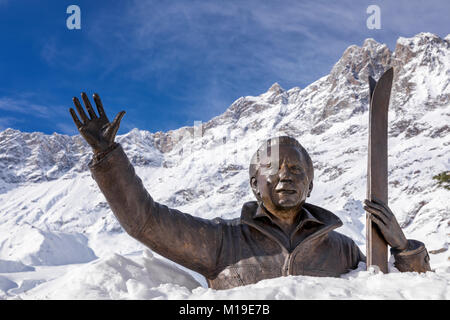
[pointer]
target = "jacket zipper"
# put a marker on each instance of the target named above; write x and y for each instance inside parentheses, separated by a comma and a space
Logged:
(287, 266)
(314, 236)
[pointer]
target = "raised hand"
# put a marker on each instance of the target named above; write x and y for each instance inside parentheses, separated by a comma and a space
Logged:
(383, 217)
(96, 130)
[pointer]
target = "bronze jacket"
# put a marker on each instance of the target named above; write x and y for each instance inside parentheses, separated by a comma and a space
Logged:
(236, 252)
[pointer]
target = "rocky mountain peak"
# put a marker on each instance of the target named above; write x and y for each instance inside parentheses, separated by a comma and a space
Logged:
(276, 88)
(422, 39)
(357, 63)
(421, 64)
(427, 47)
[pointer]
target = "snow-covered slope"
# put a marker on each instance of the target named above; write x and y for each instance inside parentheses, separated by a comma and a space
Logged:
(50, 206)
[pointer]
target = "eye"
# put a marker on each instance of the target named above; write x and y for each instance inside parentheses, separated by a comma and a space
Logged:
(267, 165)
(296, 168)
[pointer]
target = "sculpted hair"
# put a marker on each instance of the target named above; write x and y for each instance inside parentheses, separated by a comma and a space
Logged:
(266, 147)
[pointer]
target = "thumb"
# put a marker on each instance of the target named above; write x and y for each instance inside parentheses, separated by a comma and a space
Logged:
(118, 118)
(115, 125)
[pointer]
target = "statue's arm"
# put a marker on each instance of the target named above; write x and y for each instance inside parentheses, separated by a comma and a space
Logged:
(409, 255)
(190, 241)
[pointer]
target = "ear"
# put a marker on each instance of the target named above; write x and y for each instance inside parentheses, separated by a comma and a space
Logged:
(254, 186)
(310, 188)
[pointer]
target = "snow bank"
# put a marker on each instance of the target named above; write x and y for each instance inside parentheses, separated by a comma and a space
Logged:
(147, 277)
(118, 277)
(7, 266)
(5, 285)
(35, 247)
(358, 284)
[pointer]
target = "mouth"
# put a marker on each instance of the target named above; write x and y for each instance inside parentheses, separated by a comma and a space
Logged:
(285, 191)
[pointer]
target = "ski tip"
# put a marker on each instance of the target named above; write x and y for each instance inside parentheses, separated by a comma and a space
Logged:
(389, 73)
(385, 80)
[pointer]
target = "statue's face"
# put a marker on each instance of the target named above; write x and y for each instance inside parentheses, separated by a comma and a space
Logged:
(283, 185)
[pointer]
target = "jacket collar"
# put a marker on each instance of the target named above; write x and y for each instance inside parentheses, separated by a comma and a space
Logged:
(305, 215)
(258, 217)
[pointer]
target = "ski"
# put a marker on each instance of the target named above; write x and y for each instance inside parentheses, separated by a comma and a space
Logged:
(377, 166)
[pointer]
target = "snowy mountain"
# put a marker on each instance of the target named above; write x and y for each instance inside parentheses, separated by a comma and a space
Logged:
(54, 218)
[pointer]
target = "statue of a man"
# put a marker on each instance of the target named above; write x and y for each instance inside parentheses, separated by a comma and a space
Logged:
(277, 235)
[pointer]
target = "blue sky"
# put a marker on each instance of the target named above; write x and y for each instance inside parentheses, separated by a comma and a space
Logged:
(170, 63)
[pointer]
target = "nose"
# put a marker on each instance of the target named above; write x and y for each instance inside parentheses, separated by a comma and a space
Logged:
(285, 174)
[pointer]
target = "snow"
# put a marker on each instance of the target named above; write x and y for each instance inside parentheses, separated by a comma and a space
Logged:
(59, 239)
(147, 277)
(35, 247)
(7, 266)
(115, 277)
(6, 284)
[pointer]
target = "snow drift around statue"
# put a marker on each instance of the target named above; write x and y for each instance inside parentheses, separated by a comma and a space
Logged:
(147, 277)
(35, 247)
(118, 277)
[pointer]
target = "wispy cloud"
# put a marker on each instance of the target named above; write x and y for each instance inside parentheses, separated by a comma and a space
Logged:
(236, 32)
(19, 105)
(56, 54)
(24, 111)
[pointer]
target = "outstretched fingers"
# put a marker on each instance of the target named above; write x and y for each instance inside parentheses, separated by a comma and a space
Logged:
(80, 110)
(75, 118)
(99, 104)
(88, 105)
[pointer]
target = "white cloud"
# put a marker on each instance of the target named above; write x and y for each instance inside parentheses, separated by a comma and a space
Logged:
(19, 110)
(20, 105)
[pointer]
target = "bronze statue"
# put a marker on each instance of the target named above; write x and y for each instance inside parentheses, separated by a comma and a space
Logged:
(277, 235)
